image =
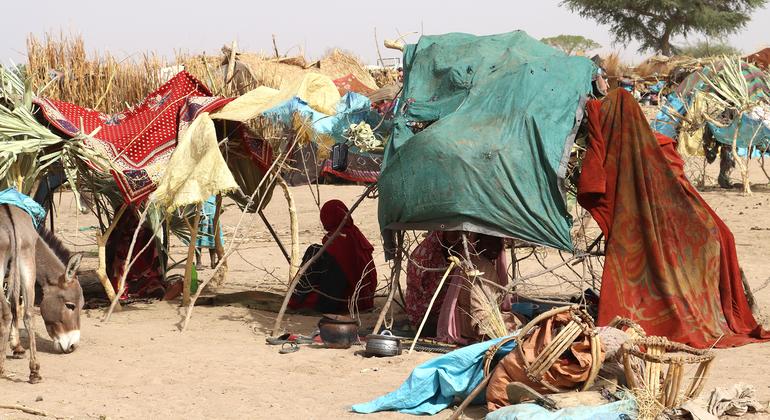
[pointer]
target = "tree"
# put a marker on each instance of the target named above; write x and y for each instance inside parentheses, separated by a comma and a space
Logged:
(655, 22)
(571, 43)
(704, 48)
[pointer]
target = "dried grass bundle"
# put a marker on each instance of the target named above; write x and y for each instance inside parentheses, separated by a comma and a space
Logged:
(260, 70)
(492, 324)
(102, 81)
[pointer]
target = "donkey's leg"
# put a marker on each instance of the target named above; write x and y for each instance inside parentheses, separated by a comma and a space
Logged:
(27, 277)
(5, 318)
(18, 316)
(5, 327)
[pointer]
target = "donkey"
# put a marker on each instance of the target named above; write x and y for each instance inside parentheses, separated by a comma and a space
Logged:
(27, 256)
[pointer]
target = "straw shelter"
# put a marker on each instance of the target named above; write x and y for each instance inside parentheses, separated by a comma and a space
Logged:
(254, 70)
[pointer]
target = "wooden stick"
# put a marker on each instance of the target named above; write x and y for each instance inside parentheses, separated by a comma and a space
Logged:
(190, 256)
(268, 178)
(101, 243)
(472, 396)
(453, 261)
(306, 266)
(295, 258)
(275, 236)
(218, 245)
(229, 75)
(127, 265)
(25, 409)
(395, 277)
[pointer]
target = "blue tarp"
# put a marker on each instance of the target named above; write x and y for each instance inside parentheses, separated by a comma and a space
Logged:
(668, 119)
(13, 197)
(624, 409)
(352, 109)
(749, 128)
(435, 384)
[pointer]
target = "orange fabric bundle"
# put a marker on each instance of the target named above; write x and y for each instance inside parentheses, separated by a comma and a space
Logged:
(568, 372)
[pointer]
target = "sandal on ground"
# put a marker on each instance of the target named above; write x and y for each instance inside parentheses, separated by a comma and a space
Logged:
(288, 347)
(281, 339)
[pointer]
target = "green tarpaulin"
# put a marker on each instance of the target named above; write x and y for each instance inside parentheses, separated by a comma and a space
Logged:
(503, 111)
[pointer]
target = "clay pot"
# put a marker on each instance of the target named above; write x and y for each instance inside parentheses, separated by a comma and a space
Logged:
(338, 331)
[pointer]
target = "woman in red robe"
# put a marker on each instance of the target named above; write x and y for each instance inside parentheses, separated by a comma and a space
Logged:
(347, 262)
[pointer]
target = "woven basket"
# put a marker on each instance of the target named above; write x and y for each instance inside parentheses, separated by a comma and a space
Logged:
(665, 363)
(581, 323)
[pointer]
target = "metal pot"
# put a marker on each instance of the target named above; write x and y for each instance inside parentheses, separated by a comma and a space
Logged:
(383, 345)
(337, 331)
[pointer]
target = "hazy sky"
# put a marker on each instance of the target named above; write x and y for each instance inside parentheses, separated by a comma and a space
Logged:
(134, 26)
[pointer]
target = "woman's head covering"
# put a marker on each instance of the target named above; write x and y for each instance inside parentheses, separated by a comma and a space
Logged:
(332, 214)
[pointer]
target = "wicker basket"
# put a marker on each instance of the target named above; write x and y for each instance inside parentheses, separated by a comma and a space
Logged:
(581, 323)
(664, 368)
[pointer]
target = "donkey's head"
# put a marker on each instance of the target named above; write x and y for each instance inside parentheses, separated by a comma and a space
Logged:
(61, 305)
(62, 296)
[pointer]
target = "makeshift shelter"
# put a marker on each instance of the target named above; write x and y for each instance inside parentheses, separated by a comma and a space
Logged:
(253, 70)
(478, 144)
(683, 101)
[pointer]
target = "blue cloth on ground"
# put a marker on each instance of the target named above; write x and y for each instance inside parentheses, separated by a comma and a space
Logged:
(668, 119)
(433, 386)
(13, 197)
(622, 409)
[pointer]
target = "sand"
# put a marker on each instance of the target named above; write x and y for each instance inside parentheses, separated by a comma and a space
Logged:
(139, 365)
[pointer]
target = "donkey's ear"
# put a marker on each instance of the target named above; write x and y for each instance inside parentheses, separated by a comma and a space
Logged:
(72, 267)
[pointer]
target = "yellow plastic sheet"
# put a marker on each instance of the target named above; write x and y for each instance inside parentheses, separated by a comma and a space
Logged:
(196, 170)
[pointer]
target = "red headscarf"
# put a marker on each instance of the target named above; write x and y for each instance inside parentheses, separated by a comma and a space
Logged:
(352, 251)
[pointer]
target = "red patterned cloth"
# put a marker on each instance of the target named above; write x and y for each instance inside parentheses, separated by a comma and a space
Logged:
(140, 140)
(422, 284)
(350, 83)
(360, 169)
(670, 261)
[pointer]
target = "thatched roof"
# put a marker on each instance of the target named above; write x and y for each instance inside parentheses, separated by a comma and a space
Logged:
(273, 72)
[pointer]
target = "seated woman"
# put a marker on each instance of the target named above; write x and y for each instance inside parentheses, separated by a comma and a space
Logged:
(467, 313)
(423, 274)
(345, 271)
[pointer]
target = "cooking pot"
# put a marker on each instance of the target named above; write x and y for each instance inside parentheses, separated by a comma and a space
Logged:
(338, 331)
(383, 345)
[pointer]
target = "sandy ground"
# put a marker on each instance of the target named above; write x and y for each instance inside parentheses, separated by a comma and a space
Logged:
(139, 365)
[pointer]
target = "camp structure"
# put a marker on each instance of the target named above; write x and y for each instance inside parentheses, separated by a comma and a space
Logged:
(150, 167)
(484, 143)
(722, 105)
(312, 160)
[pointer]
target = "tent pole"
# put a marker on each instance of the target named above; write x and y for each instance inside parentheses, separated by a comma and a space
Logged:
(218, 246)
(190, 256)
(275, 236)
(311, 261)
(395, 274)
(101, 243)
(453, 261)
(294, 261)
